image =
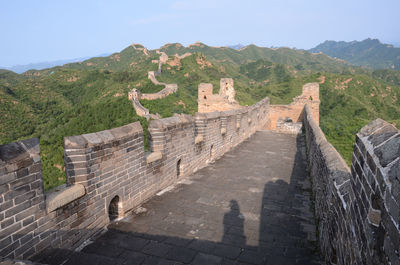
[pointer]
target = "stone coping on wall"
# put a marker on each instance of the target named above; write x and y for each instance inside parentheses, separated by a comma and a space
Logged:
(379, 142)
(153, 157)
(333, 159)
(382, 141)
(62, 195)
(102, 137)
(171, 122)
(16, 153)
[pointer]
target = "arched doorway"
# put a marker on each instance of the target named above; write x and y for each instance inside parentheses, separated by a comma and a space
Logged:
(178, 168)
(113, 211)
(212, 152)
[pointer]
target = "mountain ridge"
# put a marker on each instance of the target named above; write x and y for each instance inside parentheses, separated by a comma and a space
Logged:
(21, 68)
(370, 53)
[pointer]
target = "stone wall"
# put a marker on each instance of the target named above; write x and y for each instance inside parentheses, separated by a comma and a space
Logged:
(108, 174)
(223, 101)
(166, 91)
(357, 210)
(375, 183)
(294, 111)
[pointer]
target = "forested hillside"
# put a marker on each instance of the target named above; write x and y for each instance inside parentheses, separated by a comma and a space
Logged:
(91, 96)
(370, 53)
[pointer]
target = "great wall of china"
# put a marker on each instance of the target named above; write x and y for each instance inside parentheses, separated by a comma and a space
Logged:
(109, 174)
(135, 95)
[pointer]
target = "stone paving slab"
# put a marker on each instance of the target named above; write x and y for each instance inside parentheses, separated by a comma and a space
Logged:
(252, 206)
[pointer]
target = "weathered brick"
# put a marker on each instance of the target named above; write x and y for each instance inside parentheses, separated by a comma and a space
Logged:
(25, 162)
(24, 197)
(7, 178)
(22, 172)
(28, 221)
(7, 222)
(382, 134)
(35, 168)
(26, 247)
(392, 205)
(6, 205)
(22, 181)
(16, 209)
(38, 184)
(10, 230)
(388, 151)
(24, 231)
(4, 188)
(5, 242)
(17, 192)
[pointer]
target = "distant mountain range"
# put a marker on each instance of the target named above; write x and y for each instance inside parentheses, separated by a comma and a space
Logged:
(237, 46)
(43, 65)
(370, 53)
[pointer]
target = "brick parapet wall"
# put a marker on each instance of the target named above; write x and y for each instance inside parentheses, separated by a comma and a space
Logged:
(358, 209)
(376, 185)
(108, 164)
(166, 91)
(22, 201)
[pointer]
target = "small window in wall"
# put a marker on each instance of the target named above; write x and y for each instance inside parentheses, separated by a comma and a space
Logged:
(113, 209)
(212, 152)
(178, 168)
(205, 97)
(310, 98)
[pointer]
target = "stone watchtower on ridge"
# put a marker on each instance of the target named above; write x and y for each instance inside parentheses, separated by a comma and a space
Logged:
(281, 115)
(224, 100)
(226, 89)
(134, 94)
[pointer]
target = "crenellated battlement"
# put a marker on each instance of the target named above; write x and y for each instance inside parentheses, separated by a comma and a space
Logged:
(357, 208)
(108, 174)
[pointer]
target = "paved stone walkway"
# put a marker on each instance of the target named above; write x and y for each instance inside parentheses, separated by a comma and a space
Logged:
(252, 206)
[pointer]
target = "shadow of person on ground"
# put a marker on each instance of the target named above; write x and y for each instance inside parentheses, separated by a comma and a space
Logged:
(234, 224)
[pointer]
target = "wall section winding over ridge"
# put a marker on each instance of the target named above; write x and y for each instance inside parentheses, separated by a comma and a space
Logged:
(106, 165)
(357, 210)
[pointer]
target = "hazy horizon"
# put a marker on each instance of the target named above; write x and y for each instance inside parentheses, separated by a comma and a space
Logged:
(60, 30)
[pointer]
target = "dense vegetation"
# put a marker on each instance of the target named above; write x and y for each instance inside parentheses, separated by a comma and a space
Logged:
(92, 95)
(370, 53)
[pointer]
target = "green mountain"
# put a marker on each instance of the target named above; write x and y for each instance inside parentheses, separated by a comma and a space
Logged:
(370, 53)
(300, 59)
(92, 95)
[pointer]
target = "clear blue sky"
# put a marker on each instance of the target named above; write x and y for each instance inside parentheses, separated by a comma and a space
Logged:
(36, 31)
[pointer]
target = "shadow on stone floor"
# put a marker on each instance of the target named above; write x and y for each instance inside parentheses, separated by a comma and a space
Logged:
(286, 234)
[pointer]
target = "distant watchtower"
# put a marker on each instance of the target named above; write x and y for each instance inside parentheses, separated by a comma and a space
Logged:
(226, 89)
(134, 94)
(205, 91)
(224, 100)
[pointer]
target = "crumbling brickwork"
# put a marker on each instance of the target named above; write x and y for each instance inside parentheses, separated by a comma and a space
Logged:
(294, 111)
(223, 101)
